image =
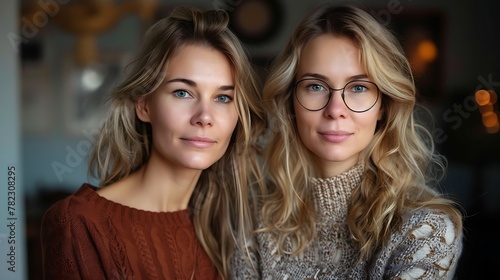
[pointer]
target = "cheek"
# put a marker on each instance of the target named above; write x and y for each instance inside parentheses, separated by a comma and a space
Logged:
(304, 124)
(228, 121)
(304, 118)
(299, 118)
(229, 128)
(368, 123)
(167, 117)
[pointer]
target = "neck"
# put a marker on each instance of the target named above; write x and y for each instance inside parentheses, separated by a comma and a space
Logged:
(328, 169)
(168, 188)
(157, 186)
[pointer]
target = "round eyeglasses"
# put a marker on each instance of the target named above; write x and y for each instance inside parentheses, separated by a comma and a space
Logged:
(358, 95)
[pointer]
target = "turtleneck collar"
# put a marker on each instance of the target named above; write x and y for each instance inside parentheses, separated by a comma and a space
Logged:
(331, 195)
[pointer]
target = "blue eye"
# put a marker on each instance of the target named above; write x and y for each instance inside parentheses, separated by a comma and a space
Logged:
(223, 99)
(181, 94)
(359, 88)
(316, 87)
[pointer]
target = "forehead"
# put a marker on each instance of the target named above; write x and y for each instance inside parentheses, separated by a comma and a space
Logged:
(331, 55)
(198, 59)
(331, 47)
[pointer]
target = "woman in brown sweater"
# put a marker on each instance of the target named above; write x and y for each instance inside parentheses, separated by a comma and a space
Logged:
(175, 157)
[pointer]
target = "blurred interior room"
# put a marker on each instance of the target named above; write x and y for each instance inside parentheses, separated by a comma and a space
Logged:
(72, 53)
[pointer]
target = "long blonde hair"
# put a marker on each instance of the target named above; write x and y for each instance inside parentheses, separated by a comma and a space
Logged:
(399, 163)
(219, 203)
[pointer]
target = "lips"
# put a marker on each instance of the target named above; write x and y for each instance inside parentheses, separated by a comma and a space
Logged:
(335, 136)
(199, 142)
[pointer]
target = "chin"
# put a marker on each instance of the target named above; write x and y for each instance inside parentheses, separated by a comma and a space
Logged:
(336, 158)
(195, 166)
(199, 164)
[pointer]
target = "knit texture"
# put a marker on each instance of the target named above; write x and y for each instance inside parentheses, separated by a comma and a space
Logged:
(426, 247)
(86, 236)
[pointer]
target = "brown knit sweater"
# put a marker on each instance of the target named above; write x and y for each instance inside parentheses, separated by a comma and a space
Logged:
(86, 236)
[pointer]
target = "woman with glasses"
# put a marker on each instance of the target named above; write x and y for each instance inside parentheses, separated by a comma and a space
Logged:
(349, 170)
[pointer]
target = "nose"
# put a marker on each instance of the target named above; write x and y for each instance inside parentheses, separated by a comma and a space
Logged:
(336, 107)
(203, 115)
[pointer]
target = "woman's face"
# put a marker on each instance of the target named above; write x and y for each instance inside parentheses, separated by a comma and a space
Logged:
(335, 135)
(192, 113)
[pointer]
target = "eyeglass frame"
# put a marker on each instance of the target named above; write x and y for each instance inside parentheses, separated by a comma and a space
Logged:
(330, 90)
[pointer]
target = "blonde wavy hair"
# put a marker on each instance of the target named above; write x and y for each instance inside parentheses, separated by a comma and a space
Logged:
(219, 203)
(400, 163)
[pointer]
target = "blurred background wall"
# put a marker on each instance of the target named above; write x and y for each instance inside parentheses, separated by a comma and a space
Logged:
(72, 54)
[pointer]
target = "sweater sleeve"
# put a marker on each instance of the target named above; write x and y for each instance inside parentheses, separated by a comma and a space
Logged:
(429, 249)
(67, 248)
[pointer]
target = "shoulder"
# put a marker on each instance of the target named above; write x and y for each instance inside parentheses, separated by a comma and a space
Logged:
(431, 237)
(429, 223)
(66, 210)
(428, 245)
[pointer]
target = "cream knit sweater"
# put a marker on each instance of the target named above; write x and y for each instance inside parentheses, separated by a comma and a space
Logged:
(426, 247)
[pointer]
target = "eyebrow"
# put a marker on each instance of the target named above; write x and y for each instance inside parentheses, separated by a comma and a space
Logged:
(193, 83)
(322, 77)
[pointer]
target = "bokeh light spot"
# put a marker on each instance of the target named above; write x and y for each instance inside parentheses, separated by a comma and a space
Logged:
(482, 97)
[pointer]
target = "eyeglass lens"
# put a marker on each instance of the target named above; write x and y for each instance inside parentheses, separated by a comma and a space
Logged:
(358, 95)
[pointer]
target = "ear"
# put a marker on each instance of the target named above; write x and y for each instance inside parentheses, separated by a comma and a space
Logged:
(142, 110)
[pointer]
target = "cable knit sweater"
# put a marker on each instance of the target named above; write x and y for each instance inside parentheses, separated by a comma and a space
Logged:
(86, 236)
(426, 247)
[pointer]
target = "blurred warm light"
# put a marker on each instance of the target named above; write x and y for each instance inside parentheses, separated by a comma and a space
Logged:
(254, 19)
(490, 119)
(494, 129)
(486, 100)
(482, 97)
(486, 108)
(493, 96)
(427, 50)
(421, 53)
(87, 19)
